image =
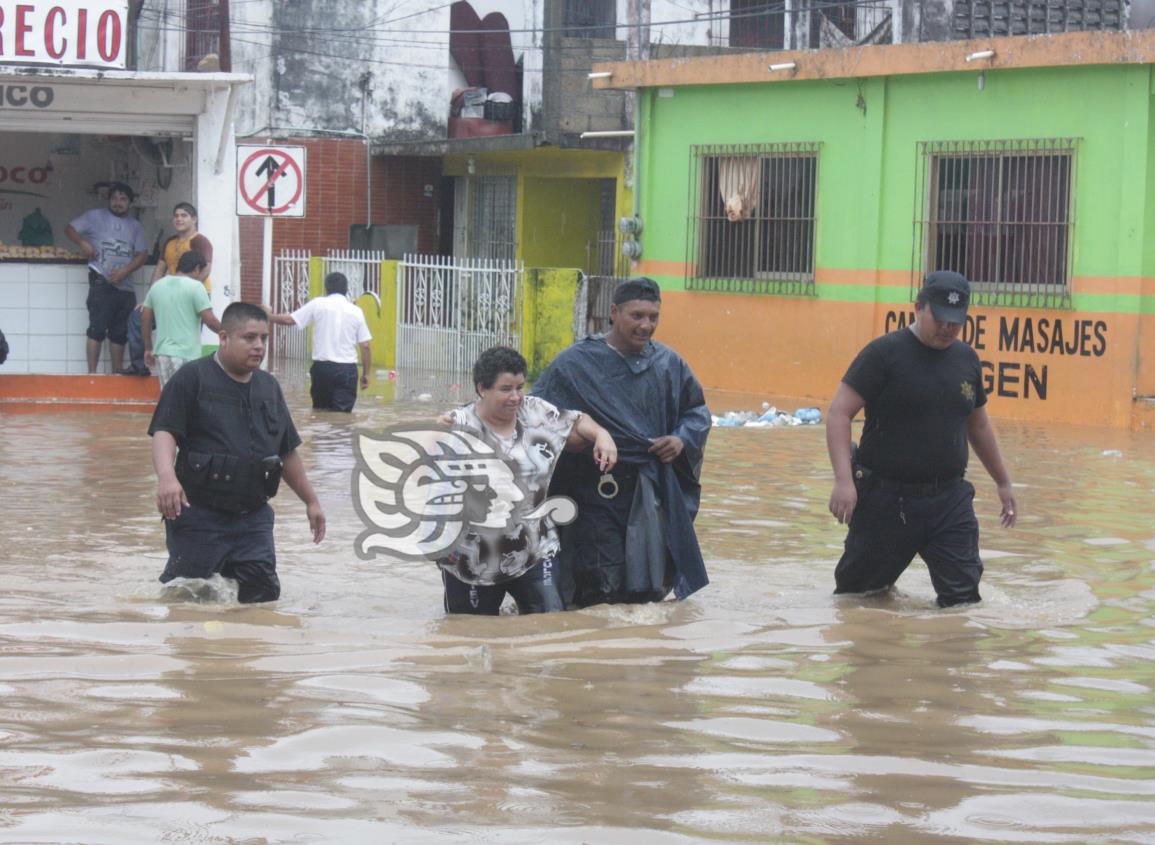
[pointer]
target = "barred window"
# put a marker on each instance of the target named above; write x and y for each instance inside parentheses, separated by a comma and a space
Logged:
(752, 216)
(758, 24)
(590, 18)
(1000, 213)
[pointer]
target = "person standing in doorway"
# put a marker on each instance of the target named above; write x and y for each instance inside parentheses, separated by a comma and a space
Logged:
(187, 237)
(115, 247)
(340, 334)
(904, 493)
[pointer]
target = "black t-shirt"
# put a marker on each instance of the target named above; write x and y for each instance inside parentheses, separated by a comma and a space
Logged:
(917, 402)
(209, 412)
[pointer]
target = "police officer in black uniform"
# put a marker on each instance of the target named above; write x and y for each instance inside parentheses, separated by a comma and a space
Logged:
(222, 438)
(923, 393)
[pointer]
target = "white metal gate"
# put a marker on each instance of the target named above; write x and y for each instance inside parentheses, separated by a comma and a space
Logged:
(291, 289)
(361, 267)
(449, 310)
(290, 292)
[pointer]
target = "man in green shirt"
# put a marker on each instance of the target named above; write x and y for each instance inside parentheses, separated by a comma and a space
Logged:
(180, 302)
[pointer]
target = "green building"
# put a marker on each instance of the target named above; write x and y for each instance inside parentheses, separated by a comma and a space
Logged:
(791, 203)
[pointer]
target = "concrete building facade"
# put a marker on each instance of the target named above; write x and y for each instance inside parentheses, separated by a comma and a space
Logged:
(791, 209)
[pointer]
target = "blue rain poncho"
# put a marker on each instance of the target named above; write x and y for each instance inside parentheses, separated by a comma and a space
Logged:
(638, 398)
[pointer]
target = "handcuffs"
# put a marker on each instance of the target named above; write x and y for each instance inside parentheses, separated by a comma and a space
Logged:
(608, 486)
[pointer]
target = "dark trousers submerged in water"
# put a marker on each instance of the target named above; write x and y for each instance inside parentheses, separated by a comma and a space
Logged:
(892, 523)
(332, 386)
(203, 542)
(615, 551)
(535, 591)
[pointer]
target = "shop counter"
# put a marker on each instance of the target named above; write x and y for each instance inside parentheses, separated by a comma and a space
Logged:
(44, 317)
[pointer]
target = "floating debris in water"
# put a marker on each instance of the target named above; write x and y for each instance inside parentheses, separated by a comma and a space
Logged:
(768, 417)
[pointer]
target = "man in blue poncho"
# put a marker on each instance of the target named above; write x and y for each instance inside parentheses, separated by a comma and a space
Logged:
(633, 539)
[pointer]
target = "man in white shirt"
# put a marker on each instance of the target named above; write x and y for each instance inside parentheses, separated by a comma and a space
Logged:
(339, 331)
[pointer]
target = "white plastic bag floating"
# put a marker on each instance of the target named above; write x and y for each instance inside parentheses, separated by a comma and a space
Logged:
(769, 417)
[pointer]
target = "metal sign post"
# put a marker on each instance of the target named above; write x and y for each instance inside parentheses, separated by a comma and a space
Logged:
(270, 183)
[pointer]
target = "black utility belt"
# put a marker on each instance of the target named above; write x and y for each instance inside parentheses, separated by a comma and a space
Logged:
(907, 488)
(227, 482)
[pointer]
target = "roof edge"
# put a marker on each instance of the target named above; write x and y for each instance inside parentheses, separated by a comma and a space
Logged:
(128, 77)
(1032, 51)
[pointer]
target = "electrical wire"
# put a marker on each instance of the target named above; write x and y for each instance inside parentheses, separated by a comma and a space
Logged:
(697, 19)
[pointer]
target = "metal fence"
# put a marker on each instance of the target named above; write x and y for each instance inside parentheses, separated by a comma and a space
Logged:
(604, 256)
(596, 297)
(290, 292)
(999, 212)
(449, 310)
(361, 267)
(753, 211)
(291, 285)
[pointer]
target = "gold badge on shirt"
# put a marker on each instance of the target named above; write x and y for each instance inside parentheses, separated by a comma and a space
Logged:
(968, 391)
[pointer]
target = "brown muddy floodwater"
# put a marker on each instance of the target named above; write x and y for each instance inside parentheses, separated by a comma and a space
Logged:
(761, 710)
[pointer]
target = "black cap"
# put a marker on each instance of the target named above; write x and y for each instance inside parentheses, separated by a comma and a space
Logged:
(641, 287)
(948, 293)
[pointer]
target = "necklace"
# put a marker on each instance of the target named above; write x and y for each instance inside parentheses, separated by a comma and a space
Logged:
(606, 338)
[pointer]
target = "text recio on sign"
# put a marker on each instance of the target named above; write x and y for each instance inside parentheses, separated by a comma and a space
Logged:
(64, 32)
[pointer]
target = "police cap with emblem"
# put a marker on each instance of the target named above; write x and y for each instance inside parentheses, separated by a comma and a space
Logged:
(948, 293)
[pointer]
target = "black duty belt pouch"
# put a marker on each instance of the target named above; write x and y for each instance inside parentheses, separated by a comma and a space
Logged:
(271, 469)
(858, 472)
(224, 482)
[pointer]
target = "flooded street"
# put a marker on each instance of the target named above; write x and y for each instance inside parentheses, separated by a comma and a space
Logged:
(763, 709)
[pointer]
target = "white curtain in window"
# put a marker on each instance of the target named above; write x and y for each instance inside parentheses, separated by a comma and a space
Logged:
(738, 183)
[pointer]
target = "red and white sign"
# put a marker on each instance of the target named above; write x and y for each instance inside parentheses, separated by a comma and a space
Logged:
(89, 33)
(270, 181)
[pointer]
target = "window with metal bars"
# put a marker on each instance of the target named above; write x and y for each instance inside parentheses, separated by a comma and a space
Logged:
(493, 217)
(752, 218)
(758, 24)
(590, 18)
(1000, 213)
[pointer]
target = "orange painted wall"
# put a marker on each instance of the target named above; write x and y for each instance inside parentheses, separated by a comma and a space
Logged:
(801, 347)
